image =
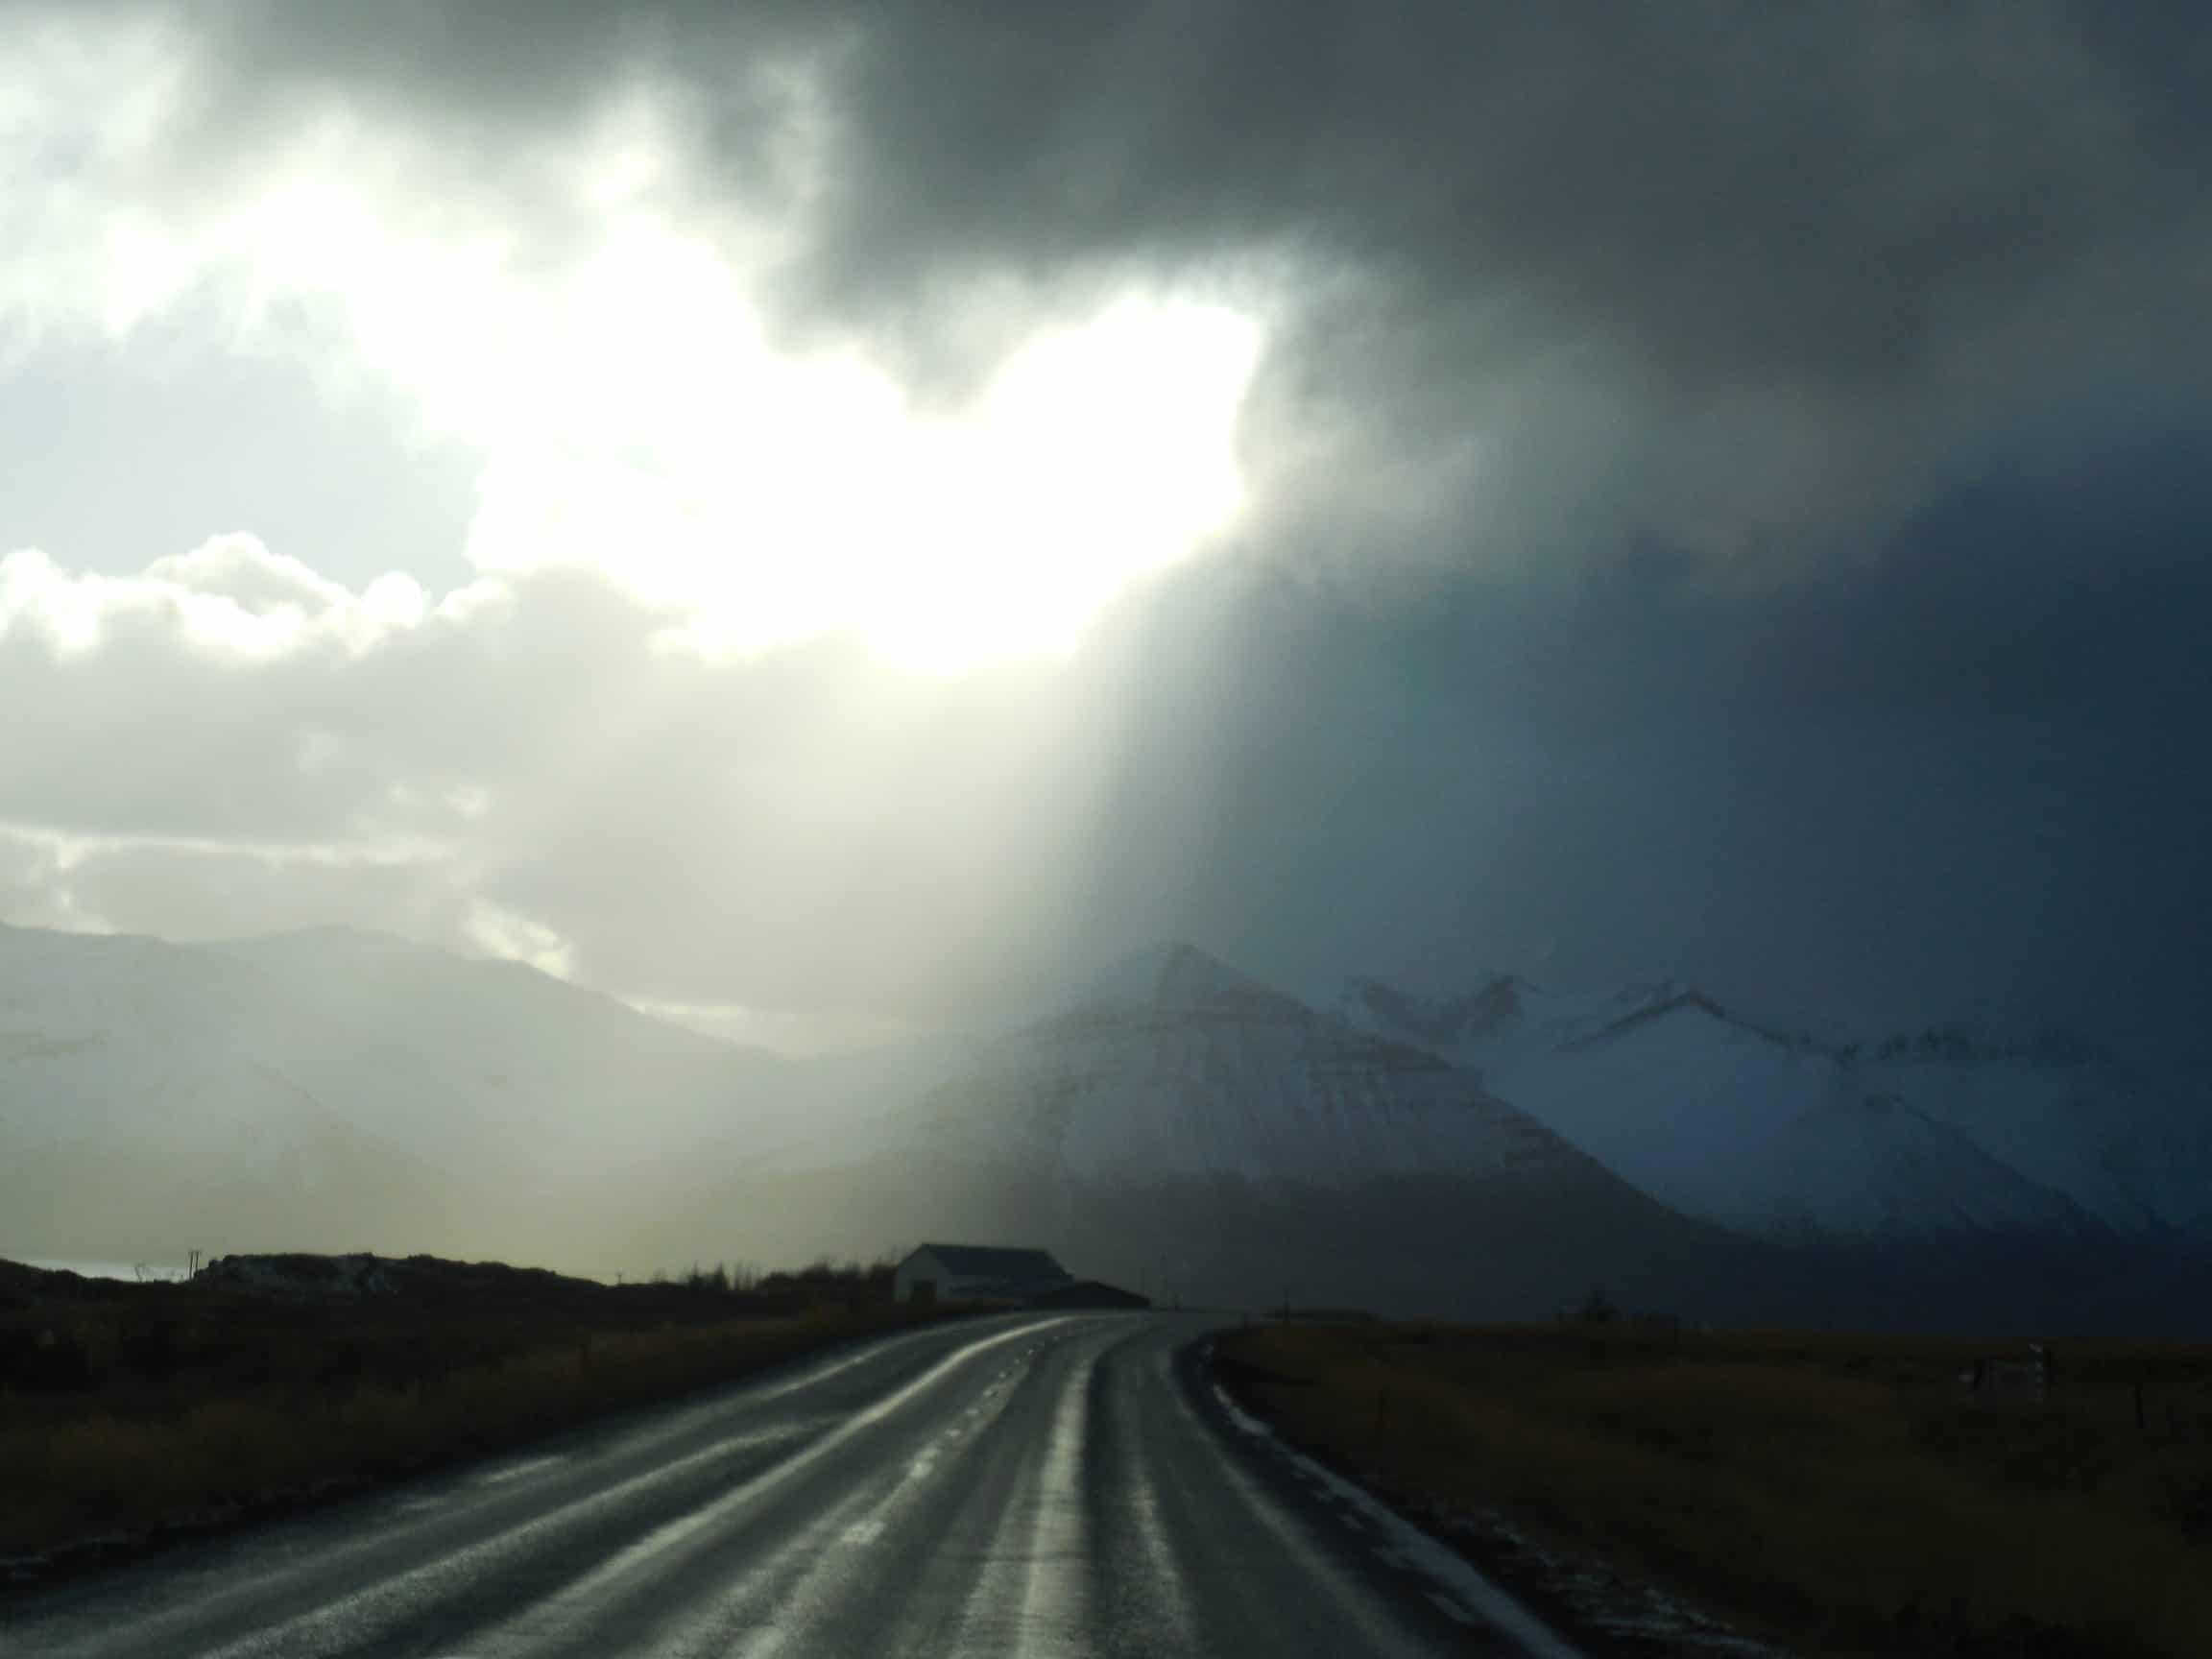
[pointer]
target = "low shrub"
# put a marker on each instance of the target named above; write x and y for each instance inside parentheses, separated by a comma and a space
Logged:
(240, 1404)
(1846, 1490)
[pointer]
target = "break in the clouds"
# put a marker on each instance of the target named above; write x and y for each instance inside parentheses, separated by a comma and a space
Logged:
(805, 514)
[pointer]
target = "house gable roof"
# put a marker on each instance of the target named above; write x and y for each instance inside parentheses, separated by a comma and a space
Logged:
(994, 1262)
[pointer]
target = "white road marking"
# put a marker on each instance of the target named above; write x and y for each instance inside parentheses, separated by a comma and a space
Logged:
(801, 1605)
(1165, 1573)
(1029, 1597)
(1051, 1589)
(344, 1621)
(516, 1472)
(555, 1610)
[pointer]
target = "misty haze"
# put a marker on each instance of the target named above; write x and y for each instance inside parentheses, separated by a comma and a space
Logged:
(1216, 828)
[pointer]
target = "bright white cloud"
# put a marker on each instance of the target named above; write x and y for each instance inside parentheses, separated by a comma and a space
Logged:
(230, 743)
(637, 418)
(632, 412)
(71, 848)
(84, 113)
(782, 499)
(229, 740)
(499, 931)
(230, 599)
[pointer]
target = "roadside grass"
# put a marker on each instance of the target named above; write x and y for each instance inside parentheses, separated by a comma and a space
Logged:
(1845, 1490)
(249, 1408)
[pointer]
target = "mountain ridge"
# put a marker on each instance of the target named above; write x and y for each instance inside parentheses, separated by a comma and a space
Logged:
(2037, 1108)
(1650, 1138)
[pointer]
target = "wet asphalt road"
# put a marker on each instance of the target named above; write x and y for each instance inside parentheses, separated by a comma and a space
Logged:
(1054, 1486)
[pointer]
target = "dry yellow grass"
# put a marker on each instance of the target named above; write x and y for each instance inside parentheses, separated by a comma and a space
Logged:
(85, 1466)
(1841, 1490)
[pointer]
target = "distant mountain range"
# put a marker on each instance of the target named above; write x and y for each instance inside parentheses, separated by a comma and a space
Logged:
(1176, 1123)
(1181, 1066)
(1921, 1134)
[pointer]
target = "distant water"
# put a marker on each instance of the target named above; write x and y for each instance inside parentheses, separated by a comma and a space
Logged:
(107, 1269)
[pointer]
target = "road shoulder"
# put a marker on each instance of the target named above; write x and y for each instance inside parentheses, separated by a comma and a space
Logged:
(1600, 1611)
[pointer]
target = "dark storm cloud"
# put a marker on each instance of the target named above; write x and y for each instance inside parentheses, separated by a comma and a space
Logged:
(1797, 189)
(1735, 275)
(1890, 310)
(1825, 188)
(1746, 277)
(1939, 789)
(1728, 479)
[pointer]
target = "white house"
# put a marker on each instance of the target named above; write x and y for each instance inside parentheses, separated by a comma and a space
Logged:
(975, 1273)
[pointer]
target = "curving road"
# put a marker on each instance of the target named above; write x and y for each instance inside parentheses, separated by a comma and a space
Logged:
(1024, 1485)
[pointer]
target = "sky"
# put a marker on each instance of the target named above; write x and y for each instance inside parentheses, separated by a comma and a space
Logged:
(817, 518)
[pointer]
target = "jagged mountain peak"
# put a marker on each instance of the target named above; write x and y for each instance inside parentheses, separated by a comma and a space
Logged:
(1647, 1005)
(1494, 992)
(1175, 1065)
(1959, 1042)
(1497, 1003)
(1697, 1101)
(1176, 977)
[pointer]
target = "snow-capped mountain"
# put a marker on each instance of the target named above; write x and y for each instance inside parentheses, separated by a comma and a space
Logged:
(485, 1069)
(1775, 1130)
(492, 1068)
(139, 1111)
(1184, 1128)
(1175, 1120)
(1176, 1064)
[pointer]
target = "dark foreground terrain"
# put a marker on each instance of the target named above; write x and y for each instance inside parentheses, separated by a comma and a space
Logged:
(1860, 1494)
(131, 1413)
(1024, 1484)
